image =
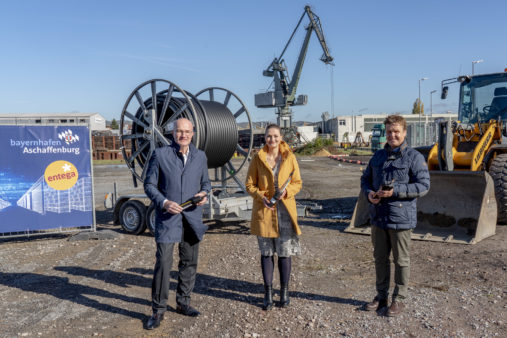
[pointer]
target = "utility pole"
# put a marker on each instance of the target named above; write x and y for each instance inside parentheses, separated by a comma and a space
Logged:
(431, 101)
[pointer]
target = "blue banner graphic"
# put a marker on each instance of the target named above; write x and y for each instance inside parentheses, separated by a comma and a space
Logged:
(45, 178)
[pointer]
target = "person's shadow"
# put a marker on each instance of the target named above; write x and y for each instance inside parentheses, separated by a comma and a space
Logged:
(61, 288)
(219, 287)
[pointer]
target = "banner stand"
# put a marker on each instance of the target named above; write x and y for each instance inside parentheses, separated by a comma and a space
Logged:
(46, 180)
(96, 235)
(94, 229)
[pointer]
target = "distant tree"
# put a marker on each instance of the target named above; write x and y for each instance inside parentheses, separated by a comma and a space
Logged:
(418, 107)
(114, 124)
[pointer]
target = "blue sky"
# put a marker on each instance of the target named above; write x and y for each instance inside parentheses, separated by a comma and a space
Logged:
(87, 56)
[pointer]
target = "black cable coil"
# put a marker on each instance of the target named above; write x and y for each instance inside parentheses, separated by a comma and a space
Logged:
(215, 121)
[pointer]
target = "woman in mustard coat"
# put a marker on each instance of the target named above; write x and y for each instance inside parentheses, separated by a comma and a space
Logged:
(275, 226)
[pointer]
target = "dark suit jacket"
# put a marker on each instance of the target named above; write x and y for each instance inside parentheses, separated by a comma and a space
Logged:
(167, 178)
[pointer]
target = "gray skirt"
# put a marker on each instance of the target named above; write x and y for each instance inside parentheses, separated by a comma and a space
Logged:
(287, 244)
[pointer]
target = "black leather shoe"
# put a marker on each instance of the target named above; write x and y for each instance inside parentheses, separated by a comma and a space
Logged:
(268, 297)
(187, 310)
(284, 295)
(154, 321)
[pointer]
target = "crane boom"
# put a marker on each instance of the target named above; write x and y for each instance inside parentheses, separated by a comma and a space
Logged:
(314, 26)
(299, 66)
(284, 94)
(315, 21)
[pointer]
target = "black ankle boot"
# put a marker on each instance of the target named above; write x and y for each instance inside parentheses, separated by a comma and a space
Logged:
(284, 295)
(268, 297)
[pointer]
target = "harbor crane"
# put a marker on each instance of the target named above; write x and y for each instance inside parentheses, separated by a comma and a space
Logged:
(284, 95)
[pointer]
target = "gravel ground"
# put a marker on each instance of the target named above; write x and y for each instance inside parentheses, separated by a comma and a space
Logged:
(55, 287)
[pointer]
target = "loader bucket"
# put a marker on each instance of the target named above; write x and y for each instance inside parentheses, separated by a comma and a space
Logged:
(459, 208)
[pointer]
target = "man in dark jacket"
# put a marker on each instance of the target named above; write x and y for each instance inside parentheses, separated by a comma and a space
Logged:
(393, 180)
(175, 174)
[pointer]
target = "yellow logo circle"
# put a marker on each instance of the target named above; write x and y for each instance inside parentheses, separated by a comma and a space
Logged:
(61, 175)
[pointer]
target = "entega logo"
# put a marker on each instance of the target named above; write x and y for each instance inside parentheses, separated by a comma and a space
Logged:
(61, 175)
(68, 137)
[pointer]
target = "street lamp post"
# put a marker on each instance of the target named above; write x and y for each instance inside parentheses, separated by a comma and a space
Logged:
(473, 63)
(419, 103)
(431, 112)
(419, 97)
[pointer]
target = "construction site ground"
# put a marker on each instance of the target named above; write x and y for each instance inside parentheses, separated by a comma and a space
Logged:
(54, 287)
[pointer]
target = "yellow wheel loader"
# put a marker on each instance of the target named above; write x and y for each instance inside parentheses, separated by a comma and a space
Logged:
(468, 168)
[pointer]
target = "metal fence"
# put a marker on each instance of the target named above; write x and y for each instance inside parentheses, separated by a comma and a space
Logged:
(419, 133)
(423, 134)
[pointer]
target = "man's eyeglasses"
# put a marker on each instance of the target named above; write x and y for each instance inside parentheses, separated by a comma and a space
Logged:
(186, 132)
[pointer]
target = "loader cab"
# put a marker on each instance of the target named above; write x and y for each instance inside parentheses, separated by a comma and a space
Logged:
(482, 98)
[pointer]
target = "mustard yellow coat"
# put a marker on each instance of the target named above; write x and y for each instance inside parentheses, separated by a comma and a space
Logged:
(260, 182)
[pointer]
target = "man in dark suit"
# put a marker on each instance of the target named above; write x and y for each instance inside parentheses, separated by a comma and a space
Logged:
(176, 174)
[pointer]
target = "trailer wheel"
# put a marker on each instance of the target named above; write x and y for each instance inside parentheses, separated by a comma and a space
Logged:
(132, 216)
(498, 171)
(150, 219)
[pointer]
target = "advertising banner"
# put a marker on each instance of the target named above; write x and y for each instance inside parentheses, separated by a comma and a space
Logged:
(45, 178)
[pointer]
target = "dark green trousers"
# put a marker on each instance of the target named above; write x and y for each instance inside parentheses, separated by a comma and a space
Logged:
(398, 241)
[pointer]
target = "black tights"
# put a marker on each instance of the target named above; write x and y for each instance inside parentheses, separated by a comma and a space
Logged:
(268, 266)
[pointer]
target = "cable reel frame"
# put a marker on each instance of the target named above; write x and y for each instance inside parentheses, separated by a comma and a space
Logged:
(150, 125)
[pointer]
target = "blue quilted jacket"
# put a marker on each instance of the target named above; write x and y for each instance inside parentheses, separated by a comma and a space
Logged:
(407, 171)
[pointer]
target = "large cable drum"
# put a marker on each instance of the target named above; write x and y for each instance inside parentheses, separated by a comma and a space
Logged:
(221, 134)
(216, 122)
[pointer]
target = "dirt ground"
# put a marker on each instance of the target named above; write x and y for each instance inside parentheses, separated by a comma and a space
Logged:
(54, 287)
